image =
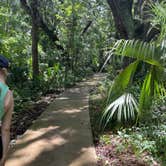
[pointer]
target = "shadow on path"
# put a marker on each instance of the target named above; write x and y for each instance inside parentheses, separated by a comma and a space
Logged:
(62, 135)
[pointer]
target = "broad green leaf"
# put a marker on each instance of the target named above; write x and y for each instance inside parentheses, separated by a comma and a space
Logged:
(122, 81)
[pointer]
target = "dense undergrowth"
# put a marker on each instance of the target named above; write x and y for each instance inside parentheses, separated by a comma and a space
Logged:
(26, 90)
(139, 144)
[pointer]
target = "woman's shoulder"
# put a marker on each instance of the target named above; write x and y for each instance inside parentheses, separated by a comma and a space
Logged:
(9, 101)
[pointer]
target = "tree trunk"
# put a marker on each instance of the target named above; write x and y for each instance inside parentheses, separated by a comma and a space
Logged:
(122, 12)
(40, 22)
(35, 61)
(124, 22)
(127, 27)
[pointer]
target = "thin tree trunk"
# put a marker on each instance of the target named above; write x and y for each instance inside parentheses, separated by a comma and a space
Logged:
(35, 61)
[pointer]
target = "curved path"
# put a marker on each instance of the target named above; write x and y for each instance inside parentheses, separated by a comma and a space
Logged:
(62, 134)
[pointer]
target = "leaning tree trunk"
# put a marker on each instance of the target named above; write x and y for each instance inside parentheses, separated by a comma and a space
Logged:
(35, 63)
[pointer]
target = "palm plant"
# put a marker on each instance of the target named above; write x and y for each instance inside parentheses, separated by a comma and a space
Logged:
(121, 103)
(159, 17)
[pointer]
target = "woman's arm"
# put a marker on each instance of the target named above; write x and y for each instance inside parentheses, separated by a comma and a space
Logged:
(6, 122)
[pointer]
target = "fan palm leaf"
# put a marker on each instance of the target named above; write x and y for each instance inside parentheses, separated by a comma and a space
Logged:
(123, 109)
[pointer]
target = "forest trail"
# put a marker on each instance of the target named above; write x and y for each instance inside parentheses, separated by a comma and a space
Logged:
(61, 136)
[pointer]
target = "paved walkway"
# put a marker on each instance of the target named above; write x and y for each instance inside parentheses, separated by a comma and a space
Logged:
(62, 134)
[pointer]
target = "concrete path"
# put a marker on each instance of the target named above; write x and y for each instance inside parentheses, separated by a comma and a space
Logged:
(62, 134)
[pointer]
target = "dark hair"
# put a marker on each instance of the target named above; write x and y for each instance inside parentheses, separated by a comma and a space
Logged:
(4, 62)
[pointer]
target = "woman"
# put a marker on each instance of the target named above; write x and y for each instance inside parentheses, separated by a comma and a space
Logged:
(6, 109)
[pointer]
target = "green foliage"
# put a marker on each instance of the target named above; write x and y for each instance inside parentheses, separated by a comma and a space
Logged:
(123, 80)
(106, 139)
(82, 54)
(158, 18)
(124, 109)
(146, 139)
(150, 53)
(153, 85)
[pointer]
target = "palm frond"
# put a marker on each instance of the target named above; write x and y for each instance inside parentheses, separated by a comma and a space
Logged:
(152, 87)
(159, 17)
(124, 109)
(158, 10)
(163, 47)
(147, 52)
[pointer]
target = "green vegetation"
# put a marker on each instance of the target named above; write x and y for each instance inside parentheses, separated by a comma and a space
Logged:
(62, 45)
(144, 141)
(120, 99)
(54, 44)
(132, 108)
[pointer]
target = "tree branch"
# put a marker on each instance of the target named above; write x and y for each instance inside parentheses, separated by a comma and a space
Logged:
(25, 6)
(50, 33)
(87, 27)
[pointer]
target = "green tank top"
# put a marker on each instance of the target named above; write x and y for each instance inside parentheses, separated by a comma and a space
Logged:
(3, 91)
